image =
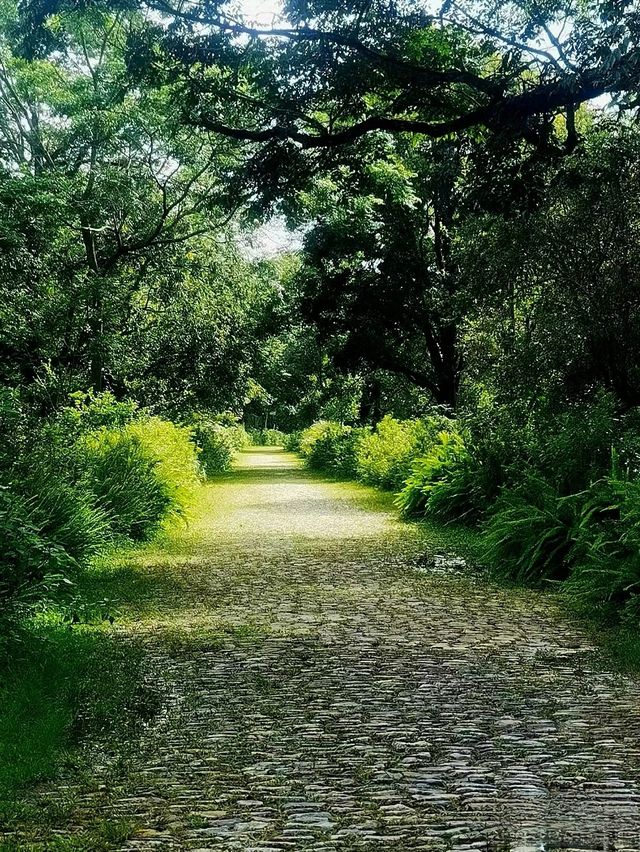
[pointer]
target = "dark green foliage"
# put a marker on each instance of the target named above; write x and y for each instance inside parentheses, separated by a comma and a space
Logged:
(49, 525)
(606, 557)
(68, 514)
(27, 556)
(428, 471)
(465, 491)
(292, 442)
(531, 530)
(69, 492)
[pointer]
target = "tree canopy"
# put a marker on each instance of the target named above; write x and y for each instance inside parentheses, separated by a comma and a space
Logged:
(444, 163)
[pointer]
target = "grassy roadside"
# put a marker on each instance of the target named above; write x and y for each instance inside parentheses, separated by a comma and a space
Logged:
(60, 683)
(73, 672)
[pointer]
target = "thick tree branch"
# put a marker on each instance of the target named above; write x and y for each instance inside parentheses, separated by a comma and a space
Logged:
(511, 112)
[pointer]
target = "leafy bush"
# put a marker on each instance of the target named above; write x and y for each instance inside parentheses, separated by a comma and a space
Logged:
(569, 448)
(48, 525)
(531, 531)
(141, 474)
(385, 456)
(176, 455)
(27, 556)
(331, 447)
(216, 447)
(573, 447)
(430, 472)
(239, 437)
(90, 411)
(122, 475)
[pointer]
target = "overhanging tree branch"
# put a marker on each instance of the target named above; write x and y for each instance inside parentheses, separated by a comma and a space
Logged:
(508, 113)
(419, 74)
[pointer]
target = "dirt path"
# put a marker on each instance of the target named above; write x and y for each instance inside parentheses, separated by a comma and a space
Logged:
(362, 698)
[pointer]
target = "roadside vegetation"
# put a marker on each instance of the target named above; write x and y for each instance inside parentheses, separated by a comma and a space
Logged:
(96, 479)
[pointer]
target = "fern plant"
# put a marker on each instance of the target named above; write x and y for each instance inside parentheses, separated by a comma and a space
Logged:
(606, 576)
(531, 532)
(430, 471)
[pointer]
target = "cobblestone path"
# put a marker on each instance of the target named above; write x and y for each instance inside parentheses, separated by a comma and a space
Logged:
(366, 696)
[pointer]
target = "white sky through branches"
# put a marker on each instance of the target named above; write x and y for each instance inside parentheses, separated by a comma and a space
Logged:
(260, 12)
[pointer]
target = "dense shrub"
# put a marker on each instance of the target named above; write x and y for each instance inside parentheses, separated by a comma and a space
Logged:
(331, 447)
(123, 476)
(49, 523)
(87, 412)
(176, 455)
(573, 447)
(291, 442)
(531, 531)
(27, 556)
(605, 573)
(98, 469)
(67, 514)
(569, 448)
(385, 455)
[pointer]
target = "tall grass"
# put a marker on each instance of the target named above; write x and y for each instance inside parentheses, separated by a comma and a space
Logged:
(123, 476)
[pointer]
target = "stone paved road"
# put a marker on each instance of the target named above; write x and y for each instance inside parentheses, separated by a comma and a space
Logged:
(366, 698)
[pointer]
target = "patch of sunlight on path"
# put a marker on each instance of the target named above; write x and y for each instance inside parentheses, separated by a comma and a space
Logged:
(323, 694)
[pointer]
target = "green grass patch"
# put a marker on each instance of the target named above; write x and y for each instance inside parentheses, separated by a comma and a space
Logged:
(59, 683)
(103, 837)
